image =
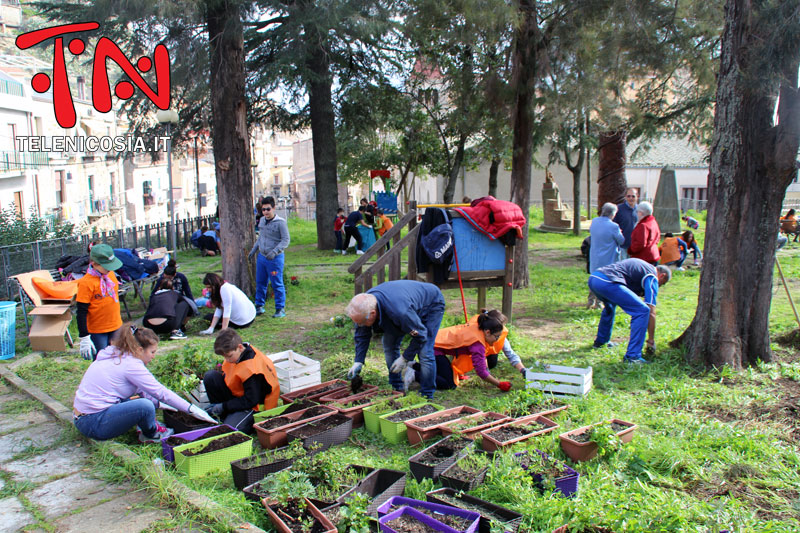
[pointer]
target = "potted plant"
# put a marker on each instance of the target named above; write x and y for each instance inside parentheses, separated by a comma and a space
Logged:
(586, 442)
(493, 517)
(519, 430)
(393, 427)
(428, 426)
(354, 406)
(354, 516)
(549, 474)
(434, 459)
(466, 473)
(439, 517)
(326, 432)
(272, 432)
(527, 402)
(379, 485)
(288, 508)
(251, 469)
(168, 444)
(209, 455)
(470, 426)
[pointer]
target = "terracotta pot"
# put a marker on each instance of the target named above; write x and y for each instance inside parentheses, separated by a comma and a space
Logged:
(471, 433)
(310, 394)
(417, 433)
(584, 451)
(491, 444)
(276, 437)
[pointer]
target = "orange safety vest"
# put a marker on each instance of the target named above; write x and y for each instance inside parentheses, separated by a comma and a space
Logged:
(237, 373)
(387, 225)
(670, 250)
(462, 336)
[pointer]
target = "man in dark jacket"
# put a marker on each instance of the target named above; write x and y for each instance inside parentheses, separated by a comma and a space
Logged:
(399, 308)
(626, 219)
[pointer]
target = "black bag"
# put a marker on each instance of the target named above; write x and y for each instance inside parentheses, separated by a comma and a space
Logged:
(438, 243)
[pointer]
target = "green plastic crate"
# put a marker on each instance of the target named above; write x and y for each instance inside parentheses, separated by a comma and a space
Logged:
(371, 421)
(269, 413)
(198, 465)
(397, 432)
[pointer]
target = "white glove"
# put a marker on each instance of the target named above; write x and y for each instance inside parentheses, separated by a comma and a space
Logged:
(87, 348)
(165, 407)
(209, 331)
(398, 365)
(409, 377)
(200, 414)
(354, 370)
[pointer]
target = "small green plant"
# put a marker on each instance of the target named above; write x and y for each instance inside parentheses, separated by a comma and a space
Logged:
(182, 370)
(355, 518)
(287, 485)
(606, 439)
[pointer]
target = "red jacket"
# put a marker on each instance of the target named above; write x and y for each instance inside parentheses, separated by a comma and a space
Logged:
(644, 240)
(494, 218)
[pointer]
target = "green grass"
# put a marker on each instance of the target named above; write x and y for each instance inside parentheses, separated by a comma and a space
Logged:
(714, 449)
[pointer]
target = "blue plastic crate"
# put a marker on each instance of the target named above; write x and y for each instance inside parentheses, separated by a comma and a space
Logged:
(8, 320)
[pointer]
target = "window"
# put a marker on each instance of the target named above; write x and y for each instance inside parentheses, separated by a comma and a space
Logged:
(276, 179)
(688, 193)
(147, 188)
(312, 193)
(18, 206)
(702, 193)
(61, 188)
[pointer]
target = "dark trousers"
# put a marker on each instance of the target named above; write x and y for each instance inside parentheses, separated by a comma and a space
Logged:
(338, 239)
(444, 372)
(218, 392)
(208, 243)
(181, 312)
(491, 361)
(352, 231)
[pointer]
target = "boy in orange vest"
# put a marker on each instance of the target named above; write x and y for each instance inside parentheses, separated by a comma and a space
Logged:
(248, 382)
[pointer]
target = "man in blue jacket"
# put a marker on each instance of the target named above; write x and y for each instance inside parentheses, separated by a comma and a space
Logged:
(626, 219)
(606, 240)
(399, 308)
(273, 239)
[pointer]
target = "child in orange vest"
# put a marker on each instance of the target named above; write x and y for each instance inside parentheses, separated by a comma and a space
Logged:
(248, 382)
(98, 312)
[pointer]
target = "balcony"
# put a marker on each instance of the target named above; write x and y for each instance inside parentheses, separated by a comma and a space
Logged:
(22, 160)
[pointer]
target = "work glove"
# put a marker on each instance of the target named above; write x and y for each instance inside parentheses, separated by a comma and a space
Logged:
(523, 371)
(202, 415)
(214, 409)
(271, 255)
(354, 370)
(252, 254)
(504, 386)
(409, 377)
(398, 365)
(87, 348)
(209, 331)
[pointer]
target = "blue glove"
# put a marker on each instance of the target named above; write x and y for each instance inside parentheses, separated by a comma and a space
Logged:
(215, 409)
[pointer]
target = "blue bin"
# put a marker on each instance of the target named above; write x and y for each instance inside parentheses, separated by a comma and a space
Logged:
(8, 322)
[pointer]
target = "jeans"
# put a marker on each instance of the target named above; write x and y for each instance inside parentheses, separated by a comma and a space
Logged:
(119, 418)
(218, 392)
(270, 271)
(432, 319)
(102, 340)
(613, 295)
(338, 239)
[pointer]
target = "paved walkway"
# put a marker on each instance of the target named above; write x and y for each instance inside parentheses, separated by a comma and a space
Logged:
(48, 483)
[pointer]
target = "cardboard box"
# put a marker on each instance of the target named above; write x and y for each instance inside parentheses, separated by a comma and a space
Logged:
(51, 317)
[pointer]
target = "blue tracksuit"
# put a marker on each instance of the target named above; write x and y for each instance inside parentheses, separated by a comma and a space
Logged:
(621, 284)
(405, 307)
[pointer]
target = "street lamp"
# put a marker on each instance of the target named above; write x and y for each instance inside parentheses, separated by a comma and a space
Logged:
(170, 117)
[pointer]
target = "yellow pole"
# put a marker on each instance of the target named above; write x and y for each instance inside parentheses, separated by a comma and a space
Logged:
(785, 286)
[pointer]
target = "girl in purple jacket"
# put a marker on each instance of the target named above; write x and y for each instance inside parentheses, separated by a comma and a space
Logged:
(103, 408)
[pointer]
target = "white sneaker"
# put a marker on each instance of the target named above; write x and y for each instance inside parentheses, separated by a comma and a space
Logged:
(359, 252)
(680, 269)
(344, 252)
(177, 335)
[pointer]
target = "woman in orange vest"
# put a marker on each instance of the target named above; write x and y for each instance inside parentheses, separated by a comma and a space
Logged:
(673, 251)
(469, 345)
(248, 382)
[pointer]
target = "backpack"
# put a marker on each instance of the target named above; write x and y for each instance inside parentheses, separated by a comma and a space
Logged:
(438, 243)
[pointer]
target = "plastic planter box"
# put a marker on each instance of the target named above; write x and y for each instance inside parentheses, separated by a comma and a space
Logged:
(295, 371)
(269, 413)
(379, 486)
(168, 450)
(276, 437)
(345, 394)
(421, 470)
(410, 510)
(491, 444)
(417, 433)
(584, 451)
(510, 520)
(436, 508)
(447, 480)
(567, 484)
(180, 426)
(324, 437)
(198, 465)
(280, 525)
(371, 419)
(397, 432)
(356, 412)
(498, 418)
(251, 469)
(314, 392)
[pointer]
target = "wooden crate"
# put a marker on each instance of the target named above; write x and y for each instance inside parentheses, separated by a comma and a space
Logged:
(295, 371)
(560, 380)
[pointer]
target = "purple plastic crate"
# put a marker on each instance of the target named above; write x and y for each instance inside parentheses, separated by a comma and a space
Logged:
(422, 517)
(167, 450)
(400, 501)
(567, 484)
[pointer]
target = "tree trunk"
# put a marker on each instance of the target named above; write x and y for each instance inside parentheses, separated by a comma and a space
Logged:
(322, 133)
(576, 199)
(493, 169)
(452, 179)
(231, 141)
(752, 163)
(611, 182)
(527, 41)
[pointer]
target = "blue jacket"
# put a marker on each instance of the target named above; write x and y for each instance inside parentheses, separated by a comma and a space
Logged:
(606, 240)
(639, 276)
(402, 308)
(626, 219)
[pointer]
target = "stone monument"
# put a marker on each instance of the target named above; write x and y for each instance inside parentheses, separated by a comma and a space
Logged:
(557, 216)
(666, 206)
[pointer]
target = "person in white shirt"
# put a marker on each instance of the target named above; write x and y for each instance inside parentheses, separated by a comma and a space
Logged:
(234, 308)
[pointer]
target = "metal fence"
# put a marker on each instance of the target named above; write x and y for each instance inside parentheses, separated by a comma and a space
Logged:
(43, 255)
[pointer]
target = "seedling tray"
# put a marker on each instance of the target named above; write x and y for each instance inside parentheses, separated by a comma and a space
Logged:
(183, 422)
(280, 525)
(198, 465)
(356, 412)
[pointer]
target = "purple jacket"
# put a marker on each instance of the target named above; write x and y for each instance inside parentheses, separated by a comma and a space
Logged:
(111, 379)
